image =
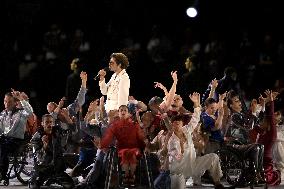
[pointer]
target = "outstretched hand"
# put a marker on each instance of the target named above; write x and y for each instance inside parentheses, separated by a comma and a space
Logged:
(270, 95)
(214, 83)
(174, 76)
(19, 95)
(195, 98)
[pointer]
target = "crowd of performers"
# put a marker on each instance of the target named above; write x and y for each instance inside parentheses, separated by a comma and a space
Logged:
(180, 142)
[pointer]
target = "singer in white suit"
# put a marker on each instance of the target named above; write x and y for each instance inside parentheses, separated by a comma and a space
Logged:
(117, 89)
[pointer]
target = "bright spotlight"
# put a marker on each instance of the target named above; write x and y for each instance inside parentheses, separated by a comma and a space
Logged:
(191, 12)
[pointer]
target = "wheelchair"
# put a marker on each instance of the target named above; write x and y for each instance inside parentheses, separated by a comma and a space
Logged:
(113, 167)
(20, 163)
(51, 178)
(238, 171)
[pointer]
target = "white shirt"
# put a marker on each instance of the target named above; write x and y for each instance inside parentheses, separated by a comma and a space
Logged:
(186, 164)
(117, 90)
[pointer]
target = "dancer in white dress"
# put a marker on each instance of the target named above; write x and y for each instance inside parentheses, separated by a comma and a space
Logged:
(278, 147)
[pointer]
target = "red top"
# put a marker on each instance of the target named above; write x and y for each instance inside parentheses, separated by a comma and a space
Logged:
(269, 136)
(127, 133)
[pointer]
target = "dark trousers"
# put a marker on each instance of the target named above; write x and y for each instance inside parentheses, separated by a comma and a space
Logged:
(97, 170)
(8, 146)
(254, 152)
(163, 181)
(44, 172)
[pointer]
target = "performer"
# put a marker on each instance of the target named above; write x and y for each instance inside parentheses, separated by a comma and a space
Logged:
(117, 89)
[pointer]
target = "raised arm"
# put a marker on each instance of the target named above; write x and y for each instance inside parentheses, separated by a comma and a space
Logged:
(167, 103)
(270, 98)
(92, 109)
(83, 90)
(161, 86)
(22, 97)
(214, 84)
(102, 82)
(195, 98)
(218, 122)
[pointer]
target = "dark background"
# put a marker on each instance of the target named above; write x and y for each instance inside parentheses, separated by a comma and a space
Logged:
(236, 33)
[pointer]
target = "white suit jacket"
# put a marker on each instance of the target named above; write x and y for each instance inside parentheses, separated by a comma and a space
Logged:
(117, 90)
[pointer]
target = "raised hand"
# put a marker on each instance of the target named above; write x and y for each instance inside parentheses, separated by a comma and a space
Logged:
(270, 95)
(16, 94)
(19, 95)
(102, 74)
(94, 105)
(174, 76)
(84, 76)
(223, 96)
(195, 98)
(161, 86)
(253, 105)
(275, 94)
(214, 83)
(261, 100)
(65, 113)
(61, 102)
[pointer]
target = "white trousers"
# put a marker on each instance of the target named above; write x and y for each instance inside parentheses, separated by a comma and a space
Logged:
(208, 162)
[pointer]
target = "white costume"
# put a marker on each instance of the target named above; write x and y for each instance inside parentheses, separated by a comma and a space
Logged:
(117, 90)
(190, 165)
(278, 150)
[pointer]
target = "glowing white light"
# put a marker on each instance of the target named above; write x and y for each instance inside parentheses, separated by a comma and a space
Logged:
(191, 12)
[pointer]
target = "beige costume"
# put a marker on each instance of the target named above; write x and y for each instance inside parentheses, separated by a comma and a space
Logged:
(117, 90)
(190, 165)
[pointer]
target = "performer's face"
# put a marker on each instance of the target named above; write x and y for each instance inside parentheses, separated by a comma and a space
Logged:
(50, 107)
(211, 108)
(113, 66)
(278, 117)
(188, 64)
(9, 102)
(236, 104)
(123, 112)
(48, 123)
(177, 102)
(177, 125)
(73, 65)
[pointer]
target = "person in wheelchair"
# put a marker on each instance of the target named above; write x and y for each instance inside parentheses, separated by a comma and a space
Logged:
(96, 174)
(130, 140)
(49, 162)
(238, 132)
(12, 127)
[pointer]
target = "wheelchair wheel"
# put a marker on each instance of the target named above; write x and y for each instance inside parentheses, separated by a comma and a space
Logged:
(22, 166)
(232, 167)
(27, 161)
(19, 170)
(6, 182)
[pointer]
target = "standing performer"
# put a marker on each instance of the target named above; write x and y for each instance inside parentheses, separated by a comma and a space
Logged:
(117, 89)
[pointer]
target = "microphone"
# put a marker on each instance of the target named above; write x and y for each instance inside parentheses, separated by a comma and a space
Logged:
(106, 69)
